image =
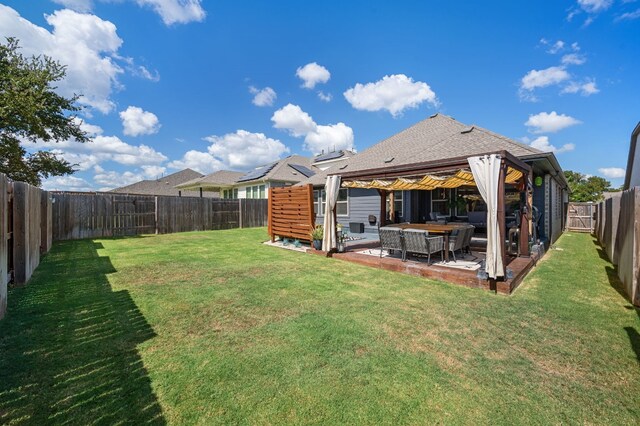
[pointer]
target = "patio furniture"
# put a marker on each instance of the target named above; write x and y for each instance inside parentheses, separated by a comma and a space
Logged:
(419, 242)
(466, 245)
(443, 229)
(456, 241)
(391, 239)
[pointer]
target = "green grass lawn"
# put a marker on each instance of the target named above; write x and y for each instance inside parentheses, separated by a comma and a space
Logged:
(213, 327)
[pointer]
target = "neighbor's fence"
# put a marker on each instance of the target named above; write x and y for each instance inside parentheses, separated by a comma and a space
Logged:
(25, 232)
(97, 215)
(30, 219)
(581, 217)
(618, 231)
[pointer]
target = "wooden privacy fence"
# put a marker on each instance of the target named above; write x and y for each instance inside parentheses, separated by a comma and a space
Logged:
(618, 231)
(291, 213)
(97, 215)
(25, 232)
(581, 217)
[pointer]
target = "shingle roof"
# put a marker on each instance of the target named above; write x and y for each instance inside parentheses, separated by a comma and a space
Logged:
(284, 173)
(320, 177)
(436, 138)
(281, 172)
(164, 185)
(221, 178)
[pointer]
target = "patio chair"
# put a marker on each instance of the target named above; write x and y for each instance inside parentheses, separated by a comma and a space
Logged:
(419, 242)
(392, 239)
(456, 241)
(466, 245)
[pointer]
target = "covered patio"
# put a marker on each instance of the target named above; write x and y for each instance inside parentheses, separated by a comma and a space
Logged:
(497, 262)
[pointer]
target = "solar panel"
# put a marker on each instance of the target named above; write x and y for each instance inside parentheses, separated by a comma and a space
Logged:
(257, 173)
(328, 156)
(302, 169)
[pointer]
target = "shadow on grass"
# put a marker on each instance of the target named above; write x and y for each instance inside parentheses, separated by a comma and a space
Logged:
(614, 281)
(68, 346)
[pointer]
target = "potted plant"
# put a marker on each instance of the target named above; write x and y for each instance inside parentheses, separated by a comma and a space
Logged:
(316, 235)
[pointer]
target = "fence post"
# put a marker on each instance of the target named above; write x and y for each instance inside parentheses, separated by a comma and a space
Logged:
(240, 212)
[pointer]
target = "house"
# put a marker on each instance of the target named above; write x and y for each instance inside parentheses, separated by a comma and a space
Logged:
(256, 183)
(632, 174)
(439, 138)
(165, 185)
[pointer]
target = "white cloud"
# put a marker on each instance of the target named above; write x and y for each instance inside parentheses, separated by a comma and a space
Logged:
(587, 88)
(595, 6)
(77, 5)
(316, 137)
(136, 122)
(612, 172)
(100, 149)
(293, 119)
(395, 93)
(542, 143)
(66, 183)
(241, 150)
(552, 122)
(176, 11)
(202, 162)
(333, 137)
(629, 16)
(153, 172)
(325, 97)
(171, 11)
(542, 78)
(112, 179)
(82, 42)
(573, 59)
(312, 74)
(556, 47)
(263, 97)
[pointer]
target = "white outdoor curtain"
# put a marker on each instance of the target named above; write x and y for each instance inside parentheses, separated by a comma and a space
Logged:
(331, 189)
(486, 173)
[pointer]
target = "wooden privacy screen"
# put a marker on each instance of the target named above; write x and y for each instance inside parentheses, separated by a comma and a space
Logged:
(291, 212)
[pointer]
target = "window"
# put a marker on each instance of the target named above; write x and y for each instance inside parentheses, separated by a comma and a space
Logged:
(440, 201)
(262, 191)
(320, 202)
(342, 205)
(258, 191)
(230, 194)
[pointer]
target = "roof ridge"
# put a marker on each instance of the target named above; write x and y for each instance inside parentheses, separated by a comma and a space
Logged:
(508, 139)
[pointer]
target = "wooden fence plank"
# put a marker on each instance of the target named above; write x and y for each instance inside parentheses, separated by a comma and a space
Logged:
(4, 244)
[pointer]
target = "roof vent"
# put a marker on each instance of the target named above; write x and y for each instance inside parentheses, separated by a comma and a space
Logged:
(344, 167)
(433, 115)
(388, 160)
(467, 130)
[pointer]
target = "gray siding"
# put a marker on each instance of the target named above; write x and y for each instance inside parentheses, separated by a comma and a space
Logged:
(362, 203)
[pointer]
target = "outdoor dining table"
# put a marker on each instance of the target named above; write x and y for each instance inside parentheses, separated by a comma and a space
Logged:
(445, 229)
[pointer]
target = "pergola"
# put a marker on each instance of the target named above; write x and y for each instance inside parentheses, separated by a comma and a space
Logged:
(453, 173)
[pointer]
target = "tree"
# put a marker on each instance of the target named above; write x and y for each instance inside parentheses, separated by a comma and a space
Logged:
(586, 188)
(31, 110)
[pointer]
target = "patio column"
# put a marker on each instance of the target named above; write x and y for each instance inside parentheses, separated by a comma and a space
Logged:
(502, 220)
(383, 207)
(525, 216)
(392, 208)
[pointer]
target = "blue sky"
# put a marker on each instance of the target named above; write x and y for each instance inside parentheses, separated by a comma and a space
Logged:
(169, 84)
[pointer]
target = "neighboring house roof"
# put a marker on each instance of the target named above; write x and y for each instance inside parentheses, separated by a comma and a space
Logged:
(163, 186)
(439, 137)
(320, 178)
(291, 169)
(632, 155)
(219, 179)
